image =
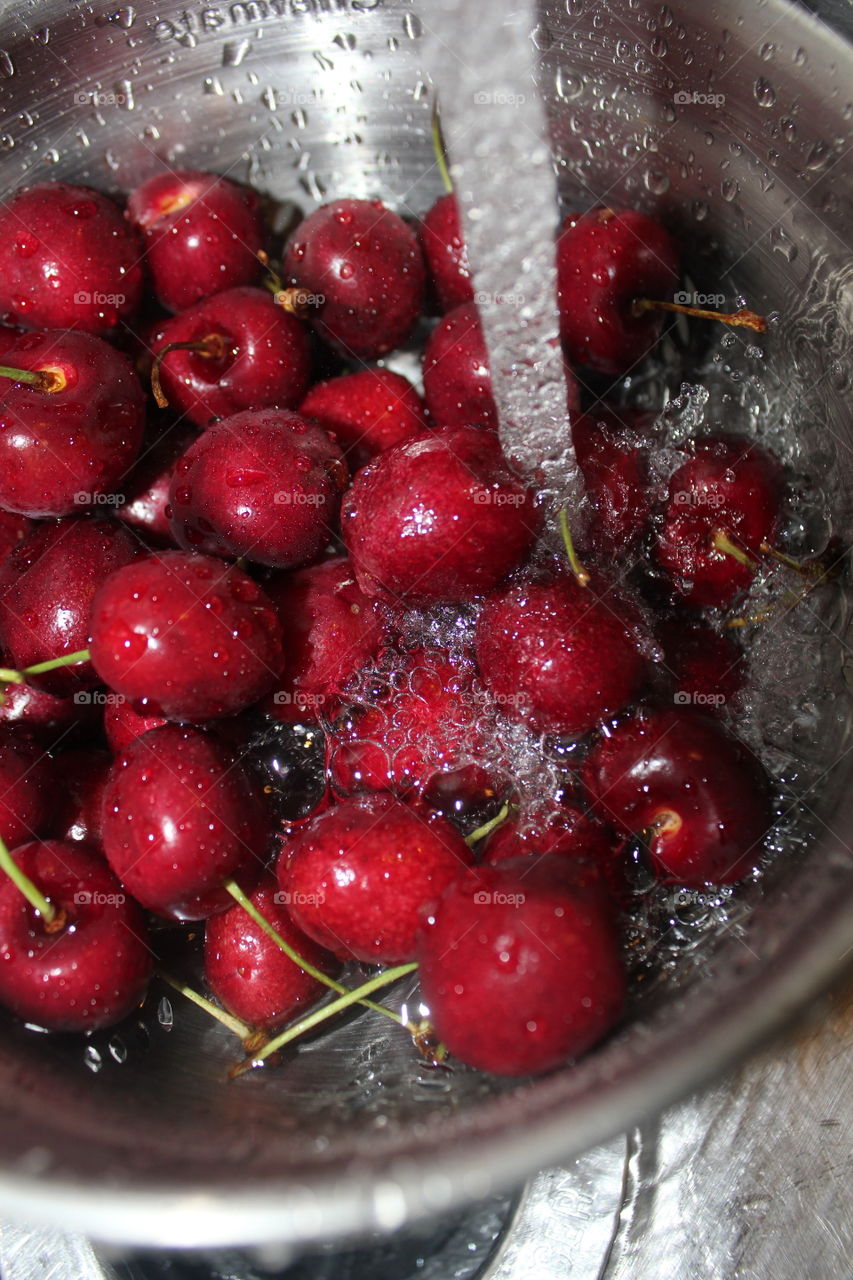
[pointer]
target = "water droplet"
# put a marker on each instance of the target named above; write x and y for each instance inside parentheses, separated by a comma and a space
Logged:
(782, 244)
(729, 189)
(765, 94)
(412, 26)
(656, 181)
(7, 66)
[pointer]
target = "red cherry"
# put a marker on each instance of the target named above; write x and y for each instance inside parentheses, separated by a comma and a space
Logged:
(202, 235)
(606, 259)
(559, 656)
(95, 968)
(122, 724)
(707, 667)
(68, 260)
(44, 716)
(364, 268)
(27, 787)
(264, 484)
(331, 630)
(426, 732)
(520, 967)
(146, 489)
(612, 450)
(83, 775)
(699, 794)
(252, 355)
(185, 636)
(46, 589)
(564, 832)
(731, 487)
(13, 529)
(249, 974)
(62, 449)
(361, 874)
(457, 380)
(366, 412)
(180, 816)
(474, 520)
(445, 253)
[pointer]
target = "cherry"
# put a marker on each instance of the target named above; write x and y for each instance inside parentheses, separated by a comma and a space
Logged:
(559, 656)
(84, 773)
(366, 412)
(707, 667)
(180, 816)
(202, 235)
(697, 794)
(457, 379)
(606, 260)
(27, 784)
(721, 505)
(566, 830)
(233, 351)
(122, 723)
(46, 589)
(46, 717)
(440, 518)
(13, 529)
(445, 253)
(520, 966)
(427, 731)
(92, 969)
(364, 268)
(290, 761)
(331, 630)
(264, 484)
(68, 260)
(360, 875)
(146, 489)
(249, 973)
(563, 832)
(185, 637)
(612, 451)
(64, 447)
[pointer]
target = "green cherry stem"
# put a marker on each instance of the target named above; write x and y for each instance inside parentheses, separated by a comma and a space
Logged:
(251, 1038)
(722, 542)
(319, 1016)
(251, 910)
(34, 896)
(39, 379)
(440, 150)
(488, 827)
(8, 675)
(581, 574)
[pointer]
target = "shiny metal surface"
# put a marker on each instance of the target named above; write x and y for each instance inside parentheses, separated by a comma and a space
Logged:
(144, 1141)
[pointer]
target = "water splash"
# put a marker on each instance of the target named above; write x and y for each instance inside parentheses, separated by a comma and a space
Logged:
(496, 135)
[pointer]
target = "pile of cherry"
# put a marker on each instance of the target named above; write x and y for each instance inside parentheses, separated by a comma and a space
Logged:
(194, 597)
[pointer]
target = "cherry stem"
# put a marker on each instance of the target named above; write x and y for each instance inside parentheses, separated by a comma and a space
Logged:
(8, 675)
(722, 542)
(737, 319)
(211, 347)
(319, 1016)
(581, 574)
(297, 302)
(488, 827)
(39, 379)
(34, 896)
(251, 910)
(248, 1035)
(440, 150)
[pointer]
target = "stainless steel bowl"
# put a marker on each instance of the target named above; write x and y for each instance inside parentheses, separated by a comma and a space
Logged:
(732, 120)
